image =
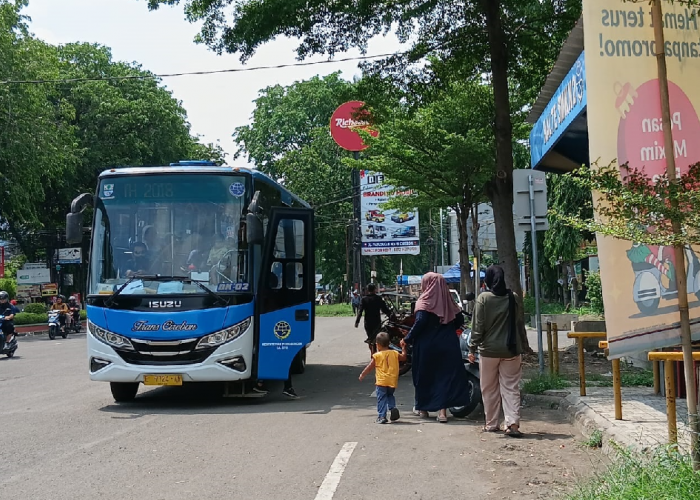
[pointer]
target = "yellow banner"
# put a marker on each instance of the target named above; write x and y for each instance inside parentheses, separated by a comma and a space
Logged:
(624, 123)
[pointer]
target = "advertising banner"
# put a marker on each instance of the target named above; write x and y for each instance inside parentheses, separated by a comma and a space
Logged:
(624, 123)
(385, 232)
(69, 255)
(28, 291)
(33, 276)
(49, 289)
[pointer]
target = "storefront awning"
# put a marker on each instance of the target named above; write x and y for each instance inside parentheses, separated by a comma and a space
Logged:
(559, 138)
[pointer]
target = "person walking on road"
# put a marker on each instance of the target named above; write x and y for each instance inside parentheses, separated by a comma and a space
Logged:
(385, 363)
(438, 370)
(355, 302)
(498, 334)
(372, 305)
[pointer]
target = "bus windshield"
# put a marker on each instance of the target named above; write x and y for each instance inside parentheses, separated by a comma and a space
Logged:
(179, 225)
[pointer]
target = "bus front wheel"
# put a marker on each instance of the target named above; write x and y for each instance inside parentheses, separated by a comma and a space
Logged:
(299, 363)
(123, 392)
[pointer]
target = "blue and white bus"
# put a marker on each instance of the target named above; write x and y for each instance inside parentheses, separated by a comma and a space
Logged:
(198, 273)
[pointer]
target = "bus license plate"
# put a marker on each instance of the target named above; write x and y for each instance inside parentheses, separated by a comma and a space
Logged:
(162, 380)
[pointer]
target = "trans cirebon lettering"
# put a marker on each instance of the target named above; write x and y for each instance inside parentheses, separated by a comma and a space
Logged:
(168, 326)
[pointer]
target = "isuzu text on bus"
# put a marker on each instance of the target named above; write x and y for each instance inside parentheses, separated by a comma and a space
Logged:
(198, 273)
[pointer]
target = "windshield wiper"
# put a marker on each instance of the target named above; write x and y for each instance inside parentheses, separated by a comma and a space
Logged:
(219, 298)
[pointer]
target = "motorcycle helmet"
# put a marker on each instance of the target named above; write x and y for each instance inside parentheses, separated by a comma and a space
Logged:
(72, 299)
(4, 297)
(63, 298)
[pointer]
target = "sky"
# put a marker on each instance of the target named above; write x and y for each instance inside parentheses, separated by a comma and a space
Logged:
(162, 42)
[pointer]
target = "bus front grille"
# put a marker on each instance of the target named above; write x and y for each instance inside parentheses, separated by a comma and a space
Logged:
(152, 352)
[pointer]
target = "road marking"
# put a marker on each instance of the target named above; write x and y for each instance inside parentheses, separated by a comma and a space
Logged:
(332, 479)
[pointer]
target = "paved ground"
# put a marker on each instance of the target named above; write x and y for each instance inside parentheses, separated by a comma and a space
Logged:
(64, 437)
(643, 426)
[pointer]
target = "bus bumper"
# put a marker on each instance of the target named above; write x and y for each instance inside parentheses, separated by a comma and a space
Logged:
(210, 370)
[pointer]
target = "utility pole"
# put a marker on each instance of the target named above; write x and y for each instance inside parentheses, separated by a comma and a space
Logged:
(442, 242)
(681, 279)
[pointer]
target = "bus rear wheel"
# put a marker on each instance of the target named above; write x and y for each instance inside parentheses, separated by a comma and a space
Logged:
(123, 392)
(299, 363)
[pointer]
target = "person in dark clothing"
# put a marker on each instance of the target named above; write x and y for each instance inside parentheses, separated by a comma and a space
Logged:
(438, 370)
(7, 311)
(372, 305)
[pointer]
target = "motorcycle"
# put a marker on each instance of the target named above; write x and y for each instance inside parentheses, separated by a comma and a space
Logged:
(55, 326)
(8, 348)
(473, 378)
(73, 320)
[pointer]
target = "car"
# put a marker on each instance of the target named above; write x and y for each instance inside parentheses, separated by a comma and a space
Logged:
(375, 232)
(375, 216)
(402, 217)
(404, 232)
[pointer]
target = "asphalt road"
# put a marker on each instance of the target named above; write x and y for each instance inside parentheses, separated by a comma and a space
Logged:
(64, 437)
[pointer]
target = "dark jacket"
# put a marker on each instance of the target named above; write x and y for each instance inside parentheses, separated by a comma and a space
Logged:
(372, 306)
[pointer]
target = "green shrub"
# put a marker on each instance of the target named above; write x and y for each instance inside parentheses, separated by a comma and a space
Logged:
(83, 314)
(540, 383)
(8, 285)
(595, 440)
(35, 308)
(595, 292)
(25, 318)
(666, 474)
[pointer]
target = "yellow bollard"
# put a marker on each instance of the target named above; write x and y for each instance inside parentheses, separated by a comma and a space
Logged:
(670, 402)
(657, 377)
(550, 358)
(555, 347)
(581, 367)
(617, 388)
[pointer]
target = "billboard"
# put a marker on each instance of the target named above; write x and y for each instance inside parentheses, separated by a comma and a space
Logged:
(385, 232)
(69, 255)
(33, 276)
(624, 123)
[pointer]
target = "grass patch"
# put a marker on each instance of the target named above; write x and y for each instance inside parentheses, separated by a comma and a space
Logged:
(540, 383)
(557, 308)
(636, 378)
(595, 440)
(667, 475)
(334, 310)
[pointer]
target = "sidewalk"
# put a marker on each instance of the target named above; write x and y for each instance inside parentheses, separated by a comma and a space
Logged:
(643, 426)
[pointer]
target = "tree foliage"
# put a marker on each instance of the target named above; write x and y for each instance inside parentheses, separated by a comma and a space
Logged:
(633, 207)
(55, 138)
(507, 39)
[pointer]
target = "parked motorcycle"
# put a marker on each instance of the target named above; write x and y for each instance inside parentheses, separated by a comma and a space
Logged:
(8, 348)
(55, 326)
(473, 378)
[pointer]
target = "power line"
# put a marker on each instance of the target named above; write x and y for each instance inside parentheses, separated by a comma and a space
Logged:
(197, 73)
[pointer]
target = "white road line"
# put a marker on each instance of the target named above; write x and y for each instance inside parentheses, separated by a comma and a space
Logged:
(332, 479)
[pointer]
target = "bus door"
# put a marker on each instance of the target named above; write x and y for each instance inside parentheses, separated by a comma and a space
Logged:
(285, 300)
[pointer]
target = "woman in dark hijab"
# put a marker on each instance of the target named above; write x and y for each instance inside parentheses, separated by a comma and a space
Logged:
(498, 333)
(438, 370)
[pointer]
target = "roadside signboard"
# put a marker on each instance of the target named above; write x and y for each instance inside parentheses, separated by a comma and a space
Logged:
(28, 291)
(49, 289)
(33, 276)
(385, 232)
(69, 255)
(345, 122)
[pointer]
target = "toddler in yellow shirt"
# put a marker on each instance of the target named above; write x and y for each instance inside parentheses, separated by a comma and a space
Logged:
(385, 362)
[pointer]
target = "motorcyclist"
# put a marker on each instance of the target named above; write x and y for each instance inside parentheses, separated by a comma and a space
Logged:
(8, 312)
(62, 309)
(74, 308)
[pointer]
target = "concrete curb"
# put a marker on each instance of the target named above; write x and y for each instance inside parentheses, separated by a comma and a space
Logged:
(586, 421)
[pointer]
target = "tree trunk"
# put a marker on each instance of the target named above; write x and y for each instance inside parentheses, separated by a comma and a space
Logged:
(500, 190)
(466, 285)
(573, 286)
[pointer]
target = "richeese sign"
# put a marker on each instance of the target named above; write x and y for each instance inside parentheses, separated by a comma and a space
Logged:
(346, 121)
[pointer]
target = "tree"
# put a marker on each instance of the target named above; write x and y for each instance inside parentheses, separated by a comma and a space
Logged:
(504, 38)
(445, 152)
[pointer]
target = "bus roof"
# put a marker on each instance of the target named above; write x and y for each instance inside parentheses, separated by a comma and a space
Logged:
(287, 196)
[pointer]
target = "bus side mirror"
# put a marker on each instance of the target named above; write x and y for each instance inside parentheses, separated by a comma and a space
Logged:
(74, 220)
(254, 229)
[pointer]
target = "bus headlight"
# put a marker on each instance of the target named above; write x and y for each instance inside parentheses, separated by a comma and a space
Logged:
(109, 338)
(223, 336)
